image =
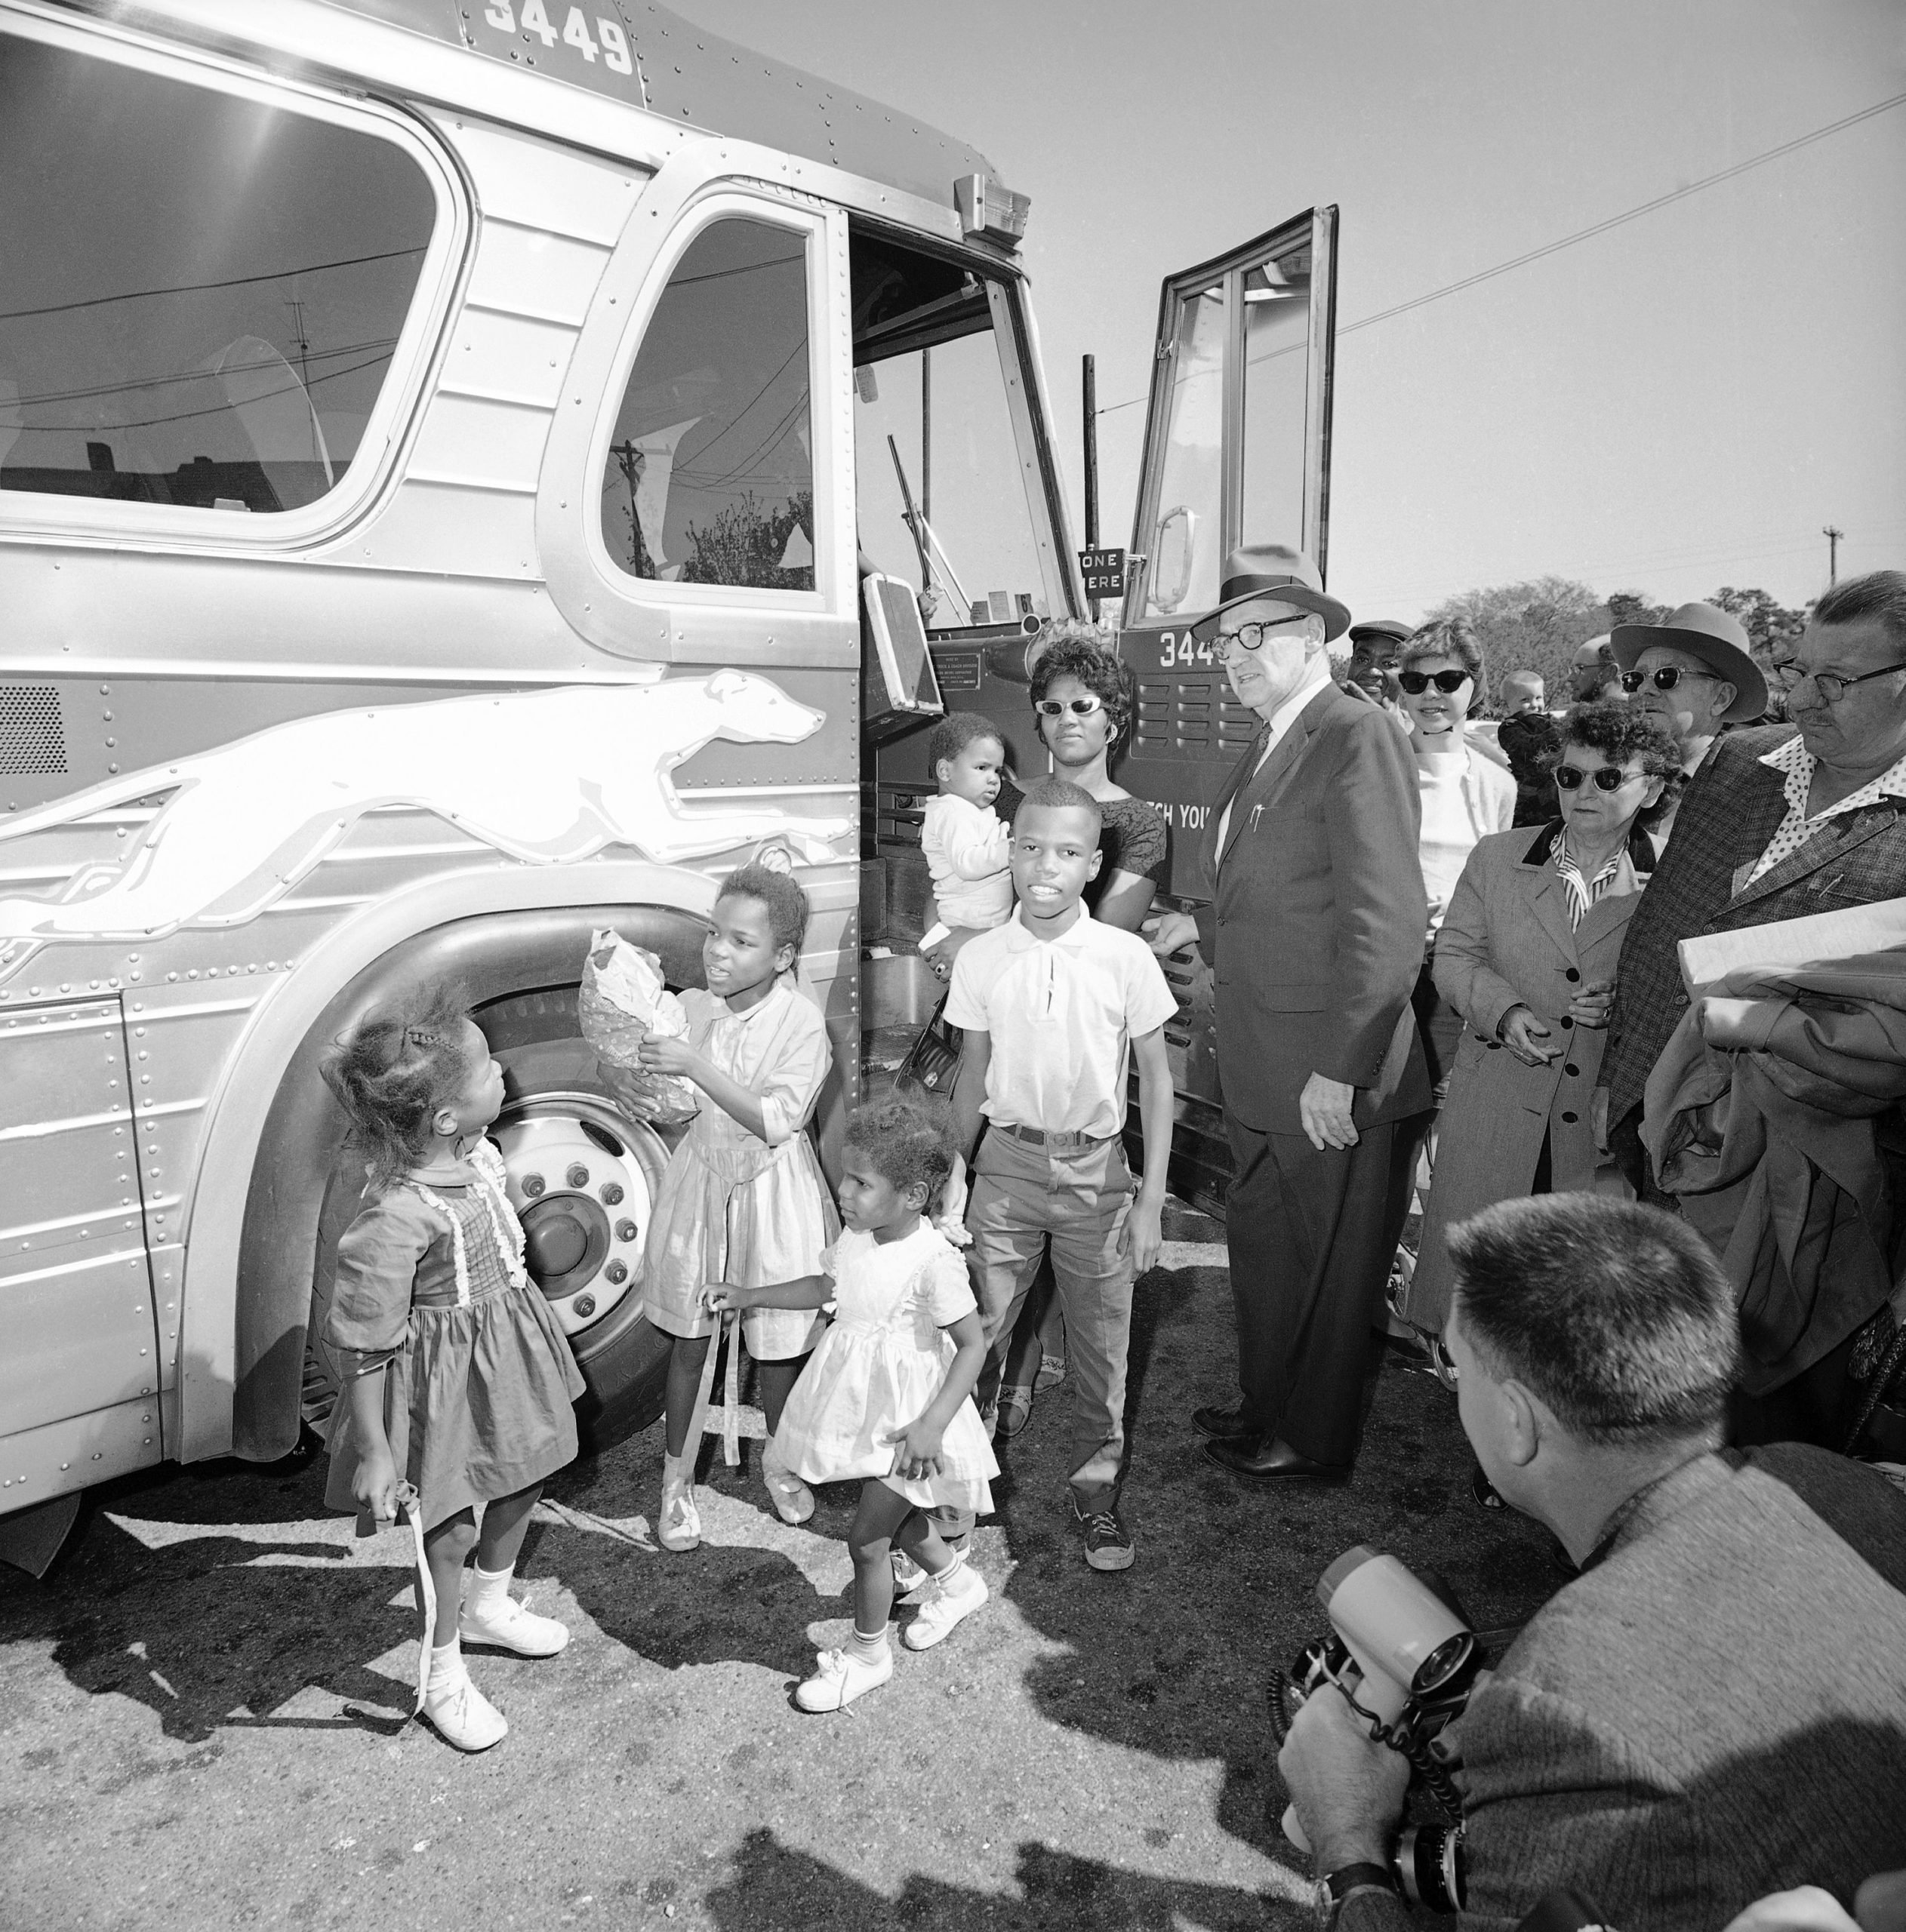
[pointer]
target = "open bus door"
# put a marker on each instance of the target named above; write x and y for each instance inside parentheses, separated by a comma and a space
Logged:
(1237, 450)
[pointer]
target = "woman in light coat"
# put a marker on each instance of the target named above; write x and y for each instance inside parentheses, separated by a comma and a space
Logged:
(1527, 955)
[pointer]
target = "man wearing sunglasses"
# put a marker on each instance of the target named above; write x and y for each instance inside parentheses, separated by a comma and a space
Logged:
(1314, 933)
(1696, 673)
(1780, 823)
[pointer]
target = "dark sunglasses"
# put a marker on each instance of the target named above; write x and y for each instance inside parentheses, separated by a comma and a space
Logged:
(1608, 778)
(1665, 679)
(1416, 682)
(1079, 707)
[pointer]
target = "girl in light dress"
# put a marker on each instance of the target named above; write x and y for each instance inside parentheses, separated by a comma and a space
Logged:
(456, 1376)
(887, 1394)
(743, 1199)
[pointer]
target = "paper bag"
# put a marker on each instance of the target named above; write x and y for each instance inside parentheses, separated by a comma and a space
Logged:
(621, 1000)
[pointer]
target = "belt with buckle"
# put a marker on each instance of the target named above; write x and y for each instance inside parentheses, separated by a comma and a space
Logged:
(1063, 1143)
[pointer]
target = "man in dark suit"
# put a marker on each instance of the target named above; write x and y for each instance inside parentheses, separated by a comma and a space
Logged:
(1713, 1709)
(1314, 934)
(1780, 822)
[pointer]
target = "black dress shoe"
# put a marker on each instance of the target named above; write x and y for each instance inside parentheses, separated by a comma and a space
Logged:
(1264, 1459)
(1228, 1425)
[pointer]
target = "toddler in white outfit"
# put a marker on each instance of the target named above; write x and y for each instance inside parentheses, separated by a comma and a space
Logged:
(965, 840)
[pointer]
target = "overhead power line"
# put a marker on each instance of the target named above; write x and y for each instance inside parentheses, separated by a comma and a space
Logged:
(193, 287)
(1588, 234)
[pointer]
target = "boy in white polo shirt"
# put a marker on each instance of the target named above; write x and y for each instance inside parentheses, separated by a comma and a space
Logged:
(1052, 1006)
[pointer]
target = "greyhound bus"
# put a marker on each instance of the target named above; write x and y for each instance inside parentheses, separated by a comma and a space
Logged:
(473, 472)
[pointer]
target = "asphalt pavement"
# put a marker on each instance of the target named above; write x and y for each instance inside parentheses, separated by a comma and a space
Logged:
(202, 1706)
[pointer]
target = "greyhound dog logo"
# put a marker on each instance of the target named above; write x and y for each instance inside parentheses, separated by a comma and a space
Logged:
(543, 777)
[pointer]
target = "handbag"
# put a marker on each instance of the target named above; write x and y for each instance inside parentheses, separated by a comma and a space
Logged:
(929, 1067)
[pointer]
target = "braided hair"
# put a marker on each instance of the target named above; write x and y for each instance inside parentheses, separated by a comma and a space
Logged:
(393, 1070)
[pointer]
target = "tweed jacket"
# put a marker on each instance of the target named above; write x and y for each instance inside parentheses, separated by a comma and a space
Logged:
(1730, 810)
(1715, 1709)
(1314, 933)
(1506, 942)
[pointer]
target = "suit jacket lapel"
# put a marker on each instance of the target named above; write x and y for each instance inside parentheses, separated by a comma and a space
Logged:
(1548, 900)
(1240, 774)
(1829, 843)
(1609, 913)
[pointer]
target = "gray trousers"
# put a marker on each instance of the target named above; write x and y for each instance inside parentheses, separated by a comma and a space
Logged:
(1025, 1198)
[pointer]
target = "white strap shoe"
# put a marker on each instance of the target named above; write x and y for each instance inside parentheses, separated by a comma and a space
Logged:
(949, 1600)
(793, 1500)
(680, 1528)
(511, 1626)
(840, 1678)
(462, 1715)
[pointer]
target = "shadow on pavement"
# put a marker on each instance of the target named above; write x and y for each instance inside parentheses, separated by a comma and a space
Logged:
(1172, 1657)
(775, 1889)
(206, 1637)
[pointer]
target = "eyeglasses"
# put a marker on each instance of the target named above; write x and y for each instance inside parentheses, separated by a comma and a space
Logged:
(1610, 778)
(1416, 682)
(1079, 707)
(1251, 636)
(1664, 679)
(1830, 685)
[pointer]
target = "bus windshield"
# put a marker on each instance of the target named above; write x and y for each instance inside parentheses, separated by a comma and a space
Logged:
(939, 483)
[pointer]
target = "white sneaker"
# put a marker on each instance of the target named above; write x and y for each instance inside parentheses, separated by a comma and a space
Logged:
(793, 1500)
(511, 1626)
(840, 1678)
(911, 1583)
(462, 1715)
(680, 1528)
(947, 1603)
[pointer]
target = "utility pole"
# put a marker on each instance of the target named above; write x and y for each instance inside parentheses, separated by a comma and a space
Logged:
(632, 463)
(1090, 399)
(304, 366)
(1833, 534)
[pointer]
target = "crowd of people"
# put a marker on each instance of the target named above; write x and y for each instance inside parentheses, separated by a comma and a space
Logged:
(1656, 1257)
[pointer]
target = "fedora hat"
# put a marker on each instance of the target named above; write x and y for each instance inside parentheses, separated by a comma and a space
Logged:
(1393, 629)
(1706, 631)
(1275, 569)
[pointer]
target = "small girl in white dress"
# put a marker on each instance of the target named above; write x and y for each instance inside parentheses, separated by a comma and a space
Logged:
(887, 1396)
(744, 1198)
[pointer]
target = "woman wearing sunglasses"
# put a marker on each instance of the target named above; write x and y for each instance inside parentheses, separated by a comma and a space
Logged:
(1465, 795)
(1527, 955)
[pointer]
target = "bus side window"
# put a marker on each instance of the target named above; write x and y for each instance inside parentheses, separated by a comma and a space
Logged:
(203, 290)
(709, 476)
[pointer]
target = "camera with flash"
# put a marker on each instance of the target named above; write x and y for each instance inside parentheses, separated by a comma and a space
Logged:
(1405, 1659)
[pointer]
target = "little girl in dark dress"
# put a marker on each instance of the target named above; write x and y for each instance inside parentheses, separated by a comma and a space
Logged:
(459, 1380)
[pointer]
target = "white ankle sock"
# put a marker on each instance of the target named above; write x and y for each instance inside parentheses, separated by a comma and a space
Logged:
(446, 1664)
(951, 1573)
(677, 1471)
(488, 1588)
(868, 1649)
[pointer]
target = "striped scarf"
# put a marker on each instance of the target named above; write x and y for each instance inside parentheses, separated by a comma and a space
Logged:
(1582, 893)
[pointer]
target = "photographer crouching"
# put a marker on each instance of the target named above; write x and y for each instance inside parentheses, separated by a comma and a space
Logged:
(1715, 1708)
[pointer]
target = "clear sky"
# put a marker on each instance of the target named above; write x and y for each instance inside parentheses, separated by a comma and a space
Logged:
(1680, 402)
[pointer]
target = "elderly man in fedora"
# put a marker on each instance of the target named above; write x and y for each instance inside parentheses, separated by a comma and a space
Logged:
(1779, 822)
(1696, 673)
(1314, 933)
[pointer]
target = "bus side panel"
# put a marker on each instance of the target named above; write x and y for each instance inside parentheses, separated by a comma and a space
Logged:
(76, 1305)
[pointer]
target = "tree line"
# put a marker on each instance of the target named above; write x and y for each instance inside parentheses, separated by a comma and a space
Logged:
(1537, 625)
